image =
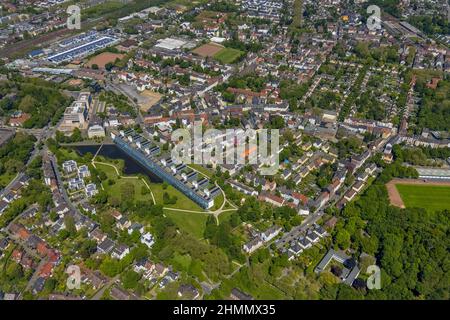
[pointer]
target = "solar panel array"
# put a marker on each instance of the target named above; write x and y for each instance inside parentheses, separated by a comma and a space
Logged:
(84, 49)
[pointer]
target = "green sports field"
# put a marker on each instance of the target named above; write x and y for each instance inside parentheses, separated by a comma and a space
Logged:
(228, 55)
(432, 198)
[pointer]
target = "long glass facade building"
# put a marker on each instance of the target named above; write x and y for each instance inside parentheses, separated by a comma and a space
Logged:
(122, 140)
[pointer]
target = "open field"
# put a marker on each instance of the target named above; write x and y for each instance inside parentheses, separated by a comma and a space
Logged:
(205, 171)
(432, 198)
(115, 189)
(104, 58)
(182, 5)
(5, 179)
(225, 216)
(429, 195)
(193, 223)
(208, 50)
(228, 55)
(151, 98)
(183, 202)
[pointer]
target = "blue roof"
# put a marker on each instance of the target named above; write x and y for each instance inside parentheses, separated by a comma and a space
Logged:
(35, 53)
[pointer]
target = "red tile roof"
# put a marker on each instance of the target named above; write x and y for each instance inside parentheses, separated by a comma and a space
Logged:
(19, 121)
(23, 233)
(42, 248)
(46, 270)
(301, 197)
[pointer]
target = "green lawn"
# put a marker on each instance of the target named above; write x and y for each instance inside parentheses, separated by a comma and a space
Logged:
(182, 261)
(207, 172)
(138, 185)
(260, 289)
(228, 55)
(218, 202)
(266, 291)
(5, 179)
(183, 202)
(225, 216)
(432, 198)
(193, 223)
(115, 189)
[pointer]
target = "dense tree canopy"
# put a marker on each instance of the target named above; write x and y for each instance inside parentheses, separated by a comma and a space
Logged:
(36, 97)
(411, 245)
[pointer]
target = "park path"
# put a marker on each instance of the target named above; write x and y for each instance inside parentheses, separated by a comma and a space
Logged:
(99, 294)
(125, 177)
(216, 213)
(98, 151)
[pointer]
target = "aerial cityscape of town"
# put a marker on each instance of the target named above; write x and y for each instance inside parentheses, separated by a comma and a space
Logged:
(107, 194)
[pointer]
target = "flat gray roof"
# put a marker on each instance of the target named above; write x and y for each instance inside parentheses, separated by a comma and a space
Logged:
(331, 254)
(438, 172)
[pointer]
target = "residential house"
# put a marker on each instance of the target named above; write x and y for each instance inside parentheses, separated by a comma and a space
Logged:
(69, 166)
(16, 255)
(38, 285)
(237, 294)
(83, 172)
(362, 176)
(136, 227)
(270, 233)
(144, 266)
(243, 188)
(286, 174)
(147, 239)
(272, 199)
(4, 244)
(319, 230)
(86, 207)
(295, 248)
(91, 190)
(120, 251)
(253, 245)
(312, 236)
(299, 198)
(106, 246)
(95, 278)
(269, 185)
(297, 179)
(304, 243)
(349, 195)
(97, 235)
(46, 271)
(123, 223)
(334, 186)
(358, 186)
(9, 197)
(351, 269)
(371, 168)
(160, 270)
(3, 206)
(188, 291)
(116, 215)
(321, 200)
(303, 210)
(118, 293)
(76, 184)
